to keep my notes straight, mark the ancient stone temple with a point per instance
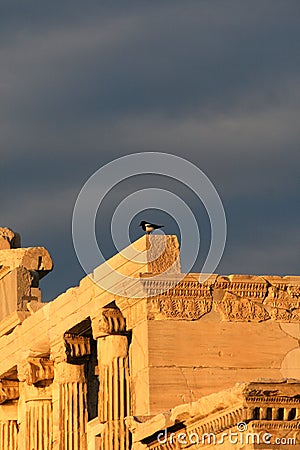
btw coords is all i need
(141, 356)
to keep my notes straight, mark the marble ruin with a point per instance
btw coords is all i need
(187, 364)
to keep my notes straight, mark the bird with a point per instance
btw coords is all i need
(149, 227)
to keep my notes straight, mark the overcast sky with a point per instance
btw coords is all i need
(216, 82)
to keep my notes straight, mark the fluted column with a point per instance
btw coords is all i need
(35, 404)
(70, 393)
(9, 392)
(113, 402)
(8, 435)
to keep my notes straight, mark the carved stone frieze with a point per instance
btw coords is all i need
(284, 303)
(9, 390)
(283, 315)
(237, 297)
(234, 308)
(282, 298)
(294, 290)
(179, 308)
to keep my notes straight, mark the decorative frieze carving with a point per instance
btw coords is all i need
(277, 427)
(282, 315)
(9, 390)
(294, 290)
(179, 308)
(282, 298)
(234, 308)
(237, 298)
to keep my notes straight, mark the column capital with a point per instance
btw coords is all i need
(70, 348)
(9, 390)
(35, 369)
(109, 321)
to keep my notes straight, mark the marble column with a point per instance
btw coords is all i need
(35, 404)
(70, 393)
(9, 393)
(113, 401)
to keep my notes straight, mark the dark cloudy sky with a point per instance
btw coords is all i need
(216, 82)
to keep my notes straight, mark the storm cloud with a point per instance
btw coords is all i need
(214, 82)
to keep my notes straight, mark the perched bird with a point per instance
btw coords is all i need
(149, 227)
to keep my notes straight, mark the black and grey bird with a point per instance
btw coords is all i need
(149, 227)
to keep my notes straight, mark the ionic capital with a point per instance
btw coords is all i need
(76, 347)
(35, 369)
(9, 390)
(70, 348)
(109, 321)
